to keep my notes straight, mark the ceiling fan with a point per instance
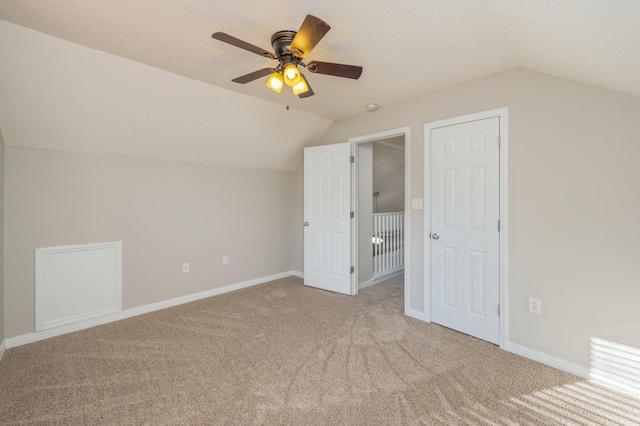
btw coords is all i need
(290, 48)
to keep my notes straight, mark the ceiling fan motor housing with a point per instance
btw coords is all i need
(281, 42)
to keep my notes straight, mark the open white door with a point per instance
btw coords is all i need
(327, 202)
(465, 239)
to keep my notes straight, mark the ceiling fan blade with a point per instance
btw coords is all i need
(253, 75)
(310, 33)
(309, 92)
(339, 70)
(243, 44)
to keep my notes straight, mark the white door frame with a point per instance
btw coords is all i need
(403, 131)
(503, 115)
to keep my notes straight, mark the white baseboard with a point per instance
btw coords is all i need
(374, 281)
(549, 360)
(297, 274)
(415, 314)
(523, 351)
(3, 346)
(127, 313)
(388, 273)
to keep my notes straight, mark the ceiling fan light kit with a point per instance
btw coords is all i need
(290, 48)
(275, 82)
(300, 87)
(291, 75)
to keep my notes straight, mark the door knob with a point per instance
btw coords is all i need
(306, 224)
(435, 236)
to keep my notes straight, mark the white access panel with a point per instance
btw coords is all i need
(327, 207)
(464, 236)
(77, 283)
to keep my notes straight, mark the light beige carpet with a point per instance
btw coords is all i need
(282, 353)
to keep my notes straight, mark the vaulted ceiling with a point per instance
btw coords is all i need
(406, 47)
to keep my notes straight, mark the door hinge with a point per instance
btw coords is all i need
(498, 310)
(352, 215)
(352, 159)
(499, 141)
(353, 269)
(498, 226)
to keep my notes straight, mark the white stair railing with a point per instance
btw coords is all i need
(388, 243)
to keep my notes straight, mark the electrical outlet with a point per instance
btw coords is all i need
(225, 260)
(185, 268)
(535, 306)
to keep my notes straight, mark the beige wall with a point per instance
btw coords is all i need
(164, 212)
(298, 218)
(1, 238)
(365, 212)
(388, 177)
(573, 202)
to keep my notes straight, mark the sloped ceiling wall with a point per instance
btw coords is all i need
(58, 95)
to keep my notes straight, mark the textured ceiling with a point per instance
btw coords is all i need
(407, 47)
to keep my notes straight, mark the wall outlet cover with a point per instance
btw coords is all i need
(535, 306)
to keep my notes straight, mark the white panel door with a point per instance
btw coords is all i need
(327, 207)
(465, 241)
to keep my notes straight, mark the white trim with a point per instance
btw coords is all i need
(297, 274)
(415, 314)
(503, 116)
(389, 145)
(548, 360)
(41, 324)
(378, 280)
(3, 347)
(402, 131)
(389, 273)
(407, 221)
(42, 335)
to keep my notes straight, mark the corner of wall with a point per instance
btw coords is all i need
(2, 346)
(297, 206)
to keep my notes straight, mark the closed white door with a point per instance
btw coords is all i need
(327, 201)
(464, 234)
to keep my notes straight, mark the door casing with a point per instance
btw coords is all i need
(503, 115)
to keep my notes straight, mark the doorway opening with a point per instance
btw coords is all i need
(380, 188)
(381, 214)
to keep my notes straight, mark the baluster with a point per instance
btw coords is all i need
(377, 222)
(386, 247)
(375, 246)
(402, 240)
(393, 240)
(382, 243)
(394, 248)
